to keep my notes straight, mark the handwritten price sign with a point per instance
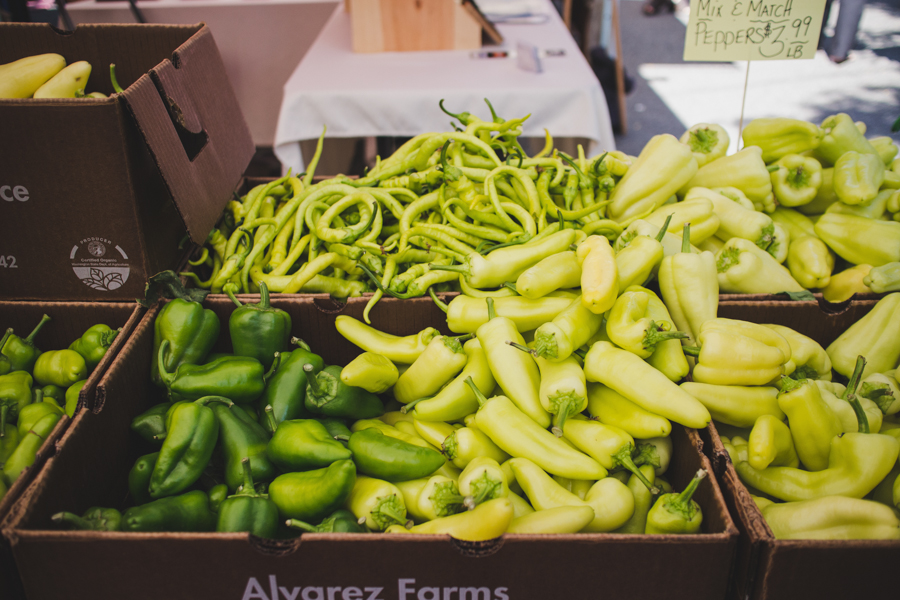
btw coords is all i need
(733, 30)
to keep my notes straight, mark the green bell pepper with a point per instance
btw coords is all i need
(93, 344)
(286, 390)
(327, 395)
(795, 179)
(305, 444)
(34, 412)
(241, 379)
(340, 521)
(139, 478)
(311, 495)
(94, 519)
(780, 136)
(189, 511)
(247, 510)
(151, 424)
(26, 452)
(73, 397)
(22, 352)
(59, 367)
(15, 394)
(240, 437)
(857, 177)
(191, 331)
(677, 513)
(192, 433)
(259, 330)
(391, 459)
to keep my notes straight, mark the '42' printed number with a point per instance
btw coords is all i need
(8, 262)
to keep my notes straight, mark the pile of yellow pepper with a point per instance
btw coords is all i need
(571, 385)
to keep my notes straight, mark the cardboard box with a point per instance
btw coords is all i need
(99, 194)
(69, 322)
(771, 569)
(412, 25)
(401, 567)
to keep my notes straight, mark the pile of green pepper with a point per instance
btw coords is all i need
(37, 388)
(802, 207)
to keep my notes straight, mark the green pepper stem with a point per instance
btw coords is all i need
(664, 228)
(463, 118)
(511, 286)
(686, 239)
(851, 397)
(5, 337)
(270, 417)
(298, 524)
(300, 344)
(623, 458)
(312, 381)
(789, 383)
(263, 295)
(438, 302)
(207, 399)
(562, 415)
(653, 336)
(482, 400)
(456, 268)
(275, 364)
(685, 496)
(493, 112)
(691, 350)
(37, 395)
(229, 290)
(492, 313)
(44, 320)
(248, 489)
(112, 78)
(773, 168)
(519, 346)
(342, 438)
(408, 407)
(72, 520)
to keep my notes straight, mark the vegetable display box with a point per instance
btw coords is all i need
(326, 565)
(68, 321)
(115, 185)
(767, 568)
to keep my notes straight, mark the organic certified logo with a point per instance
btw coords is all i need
(97, 270)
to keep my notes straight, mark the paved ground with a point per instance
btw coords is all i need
(670, 95)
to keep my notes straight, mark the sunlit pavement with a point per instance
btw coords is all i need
(671, 95)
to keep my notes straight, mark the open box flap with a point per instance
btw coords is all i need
(187, 112)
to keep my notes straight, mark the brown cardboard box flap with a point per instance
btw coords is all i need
(191, 121)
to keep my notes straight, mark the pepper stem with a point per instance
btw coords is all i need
(438, 302)
(685, 496)
(879, 393)
(37, 395)
(300, 344)
(519, 346)
(851, 397)
(44, 320)
(248, 488)
(5, 337)
(456, 268)
(72, 520)
(312, 381)
(482, 400)
(686, 239)
(298, 524)
(653, 336)
(623, 458)
(408, 407)
(275, 364)
(664, 228)
(691, 350)
(564, 407)
(230, 289)
(263, 295)
(112, 78)
(270, 417)
(492, 313)
(4, 413)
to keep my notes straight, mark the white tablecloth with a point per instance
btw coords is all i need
(397, 93)
(261, 42)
